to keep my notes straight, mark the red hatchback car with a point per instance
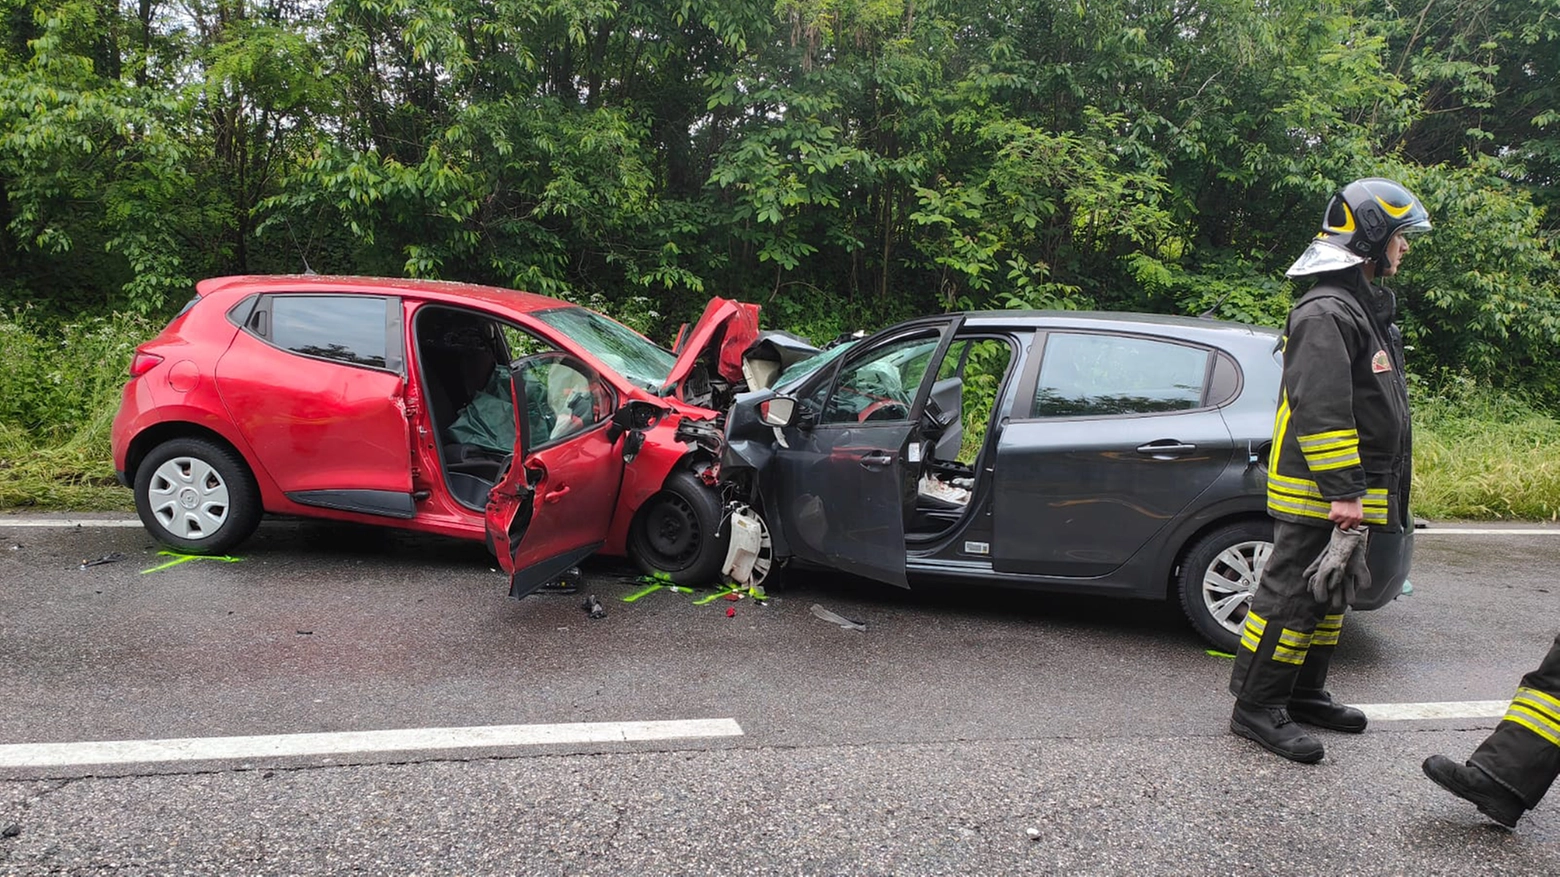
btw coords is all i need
(407, 403)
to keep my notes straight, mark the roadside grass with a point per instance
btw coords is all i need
(1478, 454)
(1484, 455)
(59, 390)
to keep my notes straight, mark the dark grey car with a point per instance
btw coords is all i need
(1113, 454)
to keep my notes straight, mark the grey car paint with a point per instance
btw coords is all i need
(1097, 504)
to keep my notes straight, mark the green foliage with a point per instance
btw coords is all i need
(845, 163)
(57, 402)
(1482, 454)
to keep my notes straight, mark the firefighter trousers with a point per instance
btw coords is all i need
(1288, 640)
(1523, 754)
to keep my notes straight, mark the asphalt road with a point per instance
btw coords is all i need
(962, 732)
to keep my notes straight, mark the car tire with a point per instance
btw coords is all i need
(197, 496)
(680, 531)
(1218, 577)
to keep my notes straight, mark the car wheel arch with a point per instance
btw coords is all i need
(684, 475)
(1212, 545)
(197, 493)
(149, 439)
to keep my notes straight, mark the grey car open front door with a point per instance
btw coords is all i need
(846, 472)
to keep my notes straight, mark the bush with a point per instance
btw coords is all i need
(58, 396)
(1484, 454)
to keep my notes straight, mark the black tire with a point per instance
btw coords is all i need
(197, 496)
(1218, 576)
(681, 532)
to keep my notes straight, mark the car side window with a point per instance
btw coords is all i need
(882, 385)
(1092, 374)
(344, 328)
(564, 397)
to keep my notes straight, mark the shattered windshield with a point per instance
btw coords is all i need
(621, 348)
(796, 371)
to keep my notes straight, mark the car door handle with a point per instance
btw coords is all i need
(555, 495)
(877, 460)
(1167, 448)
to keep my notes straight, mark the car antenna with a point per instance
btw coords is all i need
(302, 256)
(1215, 306)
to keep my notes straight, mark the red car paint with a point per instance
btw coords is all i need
(302, 424)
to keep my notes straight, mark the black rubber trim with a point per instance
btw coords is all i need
(386, 503)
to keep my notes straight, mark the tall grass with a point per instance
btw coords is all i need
(1481, 454)
(59, 389)
(1478, 455)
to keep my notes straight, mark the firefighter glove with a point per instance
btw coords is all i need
(1340, 570)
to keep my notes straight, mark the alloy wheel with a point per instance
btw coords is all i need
(1230, 581)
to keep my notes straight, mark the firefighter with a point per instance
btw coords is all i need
(1340, 458)
(1512, 769)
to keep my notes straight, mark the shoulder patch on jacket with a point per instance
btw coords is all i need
(1380, 363)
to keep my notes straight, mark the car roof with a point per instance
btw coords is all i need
(1202, 329)
(434, 290)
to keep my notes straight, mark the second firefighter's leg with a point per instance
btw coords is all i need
(1523, 753)
(1514, 767)
(1275, 643)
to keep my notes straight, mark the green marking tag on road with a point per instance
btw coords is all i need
(642, 593)
(1218, 654)
(185, 558)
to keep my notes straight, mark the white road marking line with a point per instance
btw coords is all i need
(1475, 531)
(352, 742)
(58, 523)
(1463, 709)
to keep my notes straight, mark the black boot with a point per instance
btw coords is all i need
(1476, 787)
(1318, 708)
(1273, 730)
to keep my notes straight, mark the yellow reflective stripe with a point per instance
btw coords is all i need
(1309, 510)
(1546, 730)
(1329, 462)
(1339, 436)
(1292, 646)
(1316, 444)
(1546, 701)
(1280, 425)
(1375, 517)
(1298, 485)
(1290, 656)
(1327, 631)
(1251, 634)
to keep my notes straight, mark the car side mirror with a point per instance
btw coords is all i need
(778, 411)
(635, 416)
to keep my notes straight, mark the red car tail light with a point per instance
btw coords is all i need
(142, 363)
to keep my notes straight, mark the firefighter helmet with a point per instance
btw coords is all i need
(1359, 221)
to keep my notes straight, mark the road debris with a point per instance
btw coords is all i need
(593, 607)
(113, 557)
(833, 618)
(566, 583)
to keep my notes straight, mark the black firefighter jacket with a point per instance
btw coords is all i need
(1342, 429)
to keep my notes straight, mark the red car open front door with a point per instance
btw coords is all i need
(553, 506)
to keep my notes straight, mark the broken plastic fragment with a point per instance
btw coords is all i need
(593, 607)
(832, 618)
(731, 611)
(107, 558)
